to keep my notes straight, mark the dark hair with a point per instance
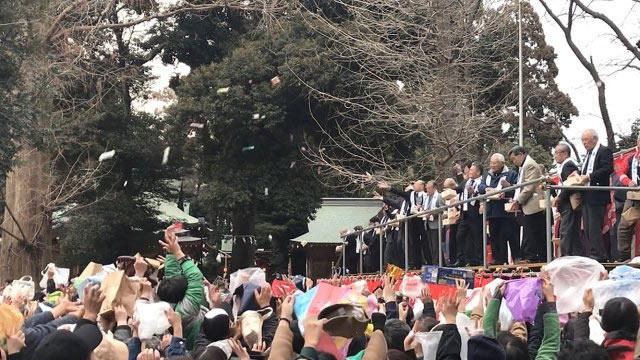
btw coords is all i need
(358, 344)
(395, 354)
(478, 165)
(468, 163)
(325, 356)
(172, 289)
(517, 150)
(395, 330)
(620, 313)
(216, 328)
(582, 350)
(514, 347)
(426, 323)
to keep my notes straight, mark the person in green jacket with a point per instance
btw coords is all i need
(544, 341)
(182, 286)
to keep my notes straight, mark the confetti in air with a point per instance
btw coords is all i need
(165, 155)
(106, 155)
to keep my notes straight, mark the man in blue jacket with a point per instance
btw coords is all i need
(502, 225)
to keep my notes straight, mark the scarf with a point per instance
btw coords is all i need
(474, 183)
(520, 177)
(504, 177)
(560, 167)
(588, 166)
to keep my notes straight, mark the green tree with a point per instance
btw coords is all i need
(628, 141)
(249, 150)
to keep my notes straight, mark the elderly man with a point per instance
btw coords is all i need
(502, 225)
(596, 171)
(414, 198)
(569, 217)
(431, 252)
(629, 177)
(470, 228)
(527, 198)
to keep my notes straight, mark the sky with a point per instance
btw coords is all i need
(593, 37)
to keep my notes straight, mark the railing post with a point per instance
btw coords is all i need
(440, 239)
(549, 221)
(381, 254)
(361, 241)
(344, 260)
(484, 234)
(406, 246)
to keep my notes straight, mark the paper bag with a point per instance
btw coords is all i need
(633, 195)
(11, 320)
(631, 214)
(448, 194)
(118, 289)
(91, 269)
(510, 207)
(572, 180)
(575, 200)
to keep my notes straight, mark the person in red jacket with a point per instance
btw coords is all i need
(628, 176)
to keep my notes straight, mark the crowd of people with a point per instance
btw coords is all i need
(581, 213)
(254, 321)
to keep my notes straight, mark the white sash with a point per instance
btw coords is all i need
(432, 202)
(634, 169)
(474, 183)
(503, 177)
(520, 177)
(588, 167)
(560, 168)
(359, 243)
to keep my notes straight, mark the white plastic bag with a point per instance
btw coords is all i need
(608, 289)
(253, 275)
(152, 318)
(60, 277)
(429, 342)
(23, 287)
(411, 286)
(571, 276)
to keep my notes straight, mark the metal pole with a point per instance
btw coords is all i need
(484, 235)
(520, 87)
(547, 198)
(440, 239)
(344, 260)
(381, 231)
(406, 246)
(360, 239)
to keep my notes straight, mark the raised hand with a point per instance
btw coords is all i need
(93, 298)
(263, 297)
(238, 349)
(15, 343)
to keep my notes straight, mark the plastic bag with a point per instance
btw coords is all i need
(152, 318)
(571, 276)
(624, 272)
(608, 289)
(505, 317)
(60, 277)
(93, 280)
(253, 275)
(429, 342)
(411, 286)
(23, 287)
(522, 296)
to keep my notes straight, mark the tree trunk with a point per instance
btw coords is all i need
(26, 245)
(243, 250)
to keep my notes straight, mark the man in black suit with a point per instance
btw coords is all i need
(470, 227)
(570, 243)
(596, 171)
(414, 201)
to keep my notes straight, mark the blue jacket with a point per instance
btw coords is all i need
(495, 208)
